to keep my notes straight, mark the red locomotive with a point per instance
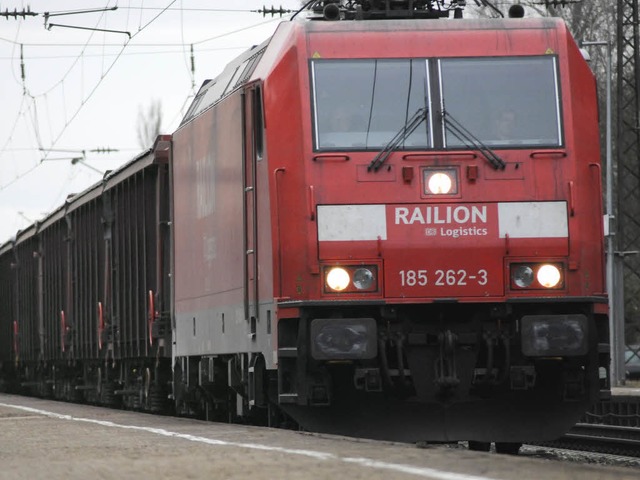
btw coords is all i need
(381, 226)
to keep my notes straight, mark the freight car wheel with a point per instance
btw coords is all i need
(58, 386)
(46, 386)
(98, 381)
(157, 401)
(178, 390)
(146, 387)
(107, 394)
(508, 448)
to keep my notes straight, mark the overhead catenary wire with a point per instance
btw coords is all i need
(74, 115)
(121, 52)
(68, 105)
(191, 70)
(86, 45)
(69, 119)
(33, 109)
(141, 53)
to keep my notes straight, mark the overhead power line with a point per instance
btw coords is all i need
(272, 11)
(47, 15)
(557, 3)
(28, 13)
(15, 14)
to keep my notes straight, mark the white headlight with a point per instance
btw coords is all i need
(338, 279)
(440, 183)
(440, 180)
(548, 276)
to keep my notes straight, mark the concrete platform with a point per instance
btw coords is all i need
(46, 439)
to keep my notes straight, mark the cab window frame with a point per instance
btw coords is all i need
(548, 132)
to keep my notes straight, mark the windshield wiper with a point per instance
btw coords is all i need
(403, 133)
(471, 141)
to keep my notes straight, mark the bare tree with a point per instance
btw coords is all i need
(587, 19)
(149, 123)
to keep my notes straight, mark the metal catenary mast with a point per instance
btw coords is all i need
(628, 162)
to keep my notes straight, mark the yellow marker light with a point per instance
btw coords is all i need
(338, 279)
(549, 276)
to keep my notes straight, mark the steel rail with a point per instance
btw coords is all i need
(600, 438)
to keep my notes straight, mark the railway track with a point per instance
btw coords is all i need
(609, 439)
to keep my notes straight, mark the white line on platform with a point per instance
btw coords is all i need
(365, 462)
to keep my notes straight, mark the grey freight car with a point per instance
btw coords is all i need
(85, 291)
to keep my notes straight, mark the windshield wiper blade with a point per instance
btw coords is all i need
(403, 133)
(471, 141)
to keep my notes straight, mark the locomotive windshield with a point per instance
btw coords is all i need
(502, 102)
(362, 104)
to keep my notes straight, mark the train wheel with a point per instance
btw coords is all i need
(179, 390)
(479, 446)
(146, 388)
(58, 387)
(107, 394)
(508, 448)
(98, 382)
(157, 401)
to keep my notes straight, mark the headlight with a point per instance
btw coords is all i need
(440, 181)
(523, 276)
(351, 279)
(554, 335)
(338, 279)
(548, 276)
(343, 338)
(537, 276)
(363, 278)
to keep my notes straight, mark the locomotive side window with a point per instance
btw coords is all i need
(232, 77)
(362, 104)
(502, 101)
(258, 123)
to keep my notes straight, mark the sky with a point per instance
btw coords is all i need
(76, 93)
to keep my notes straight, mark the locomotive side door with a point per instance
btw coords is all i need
(252, 131)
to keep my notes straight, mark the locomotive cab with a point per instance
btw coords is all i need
(391, 227)
(448, 230)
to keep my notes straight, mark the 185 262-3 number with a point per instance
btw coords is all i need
(442, 278)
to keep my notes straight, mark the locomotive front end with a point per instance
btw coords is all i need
(450, 278)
